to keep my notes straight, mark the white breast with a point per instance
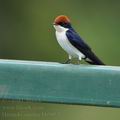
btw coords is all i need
(67, 46)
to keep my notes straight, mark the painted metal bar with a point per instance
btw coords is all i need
(60, 83)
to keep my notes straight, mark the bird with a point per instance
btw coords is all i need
(72, 42)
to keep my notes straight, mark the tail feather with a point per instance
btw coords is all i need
(93, 59)
(94, 63)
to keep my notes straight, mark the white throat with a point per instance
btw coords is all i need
(60, 28)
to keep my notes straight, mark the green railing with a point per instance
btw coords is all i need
(60, 83)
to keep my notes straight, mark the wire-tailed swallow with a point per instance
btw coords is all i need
(72, 43)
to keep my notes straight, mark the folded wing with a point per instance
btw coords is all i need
(77, 42)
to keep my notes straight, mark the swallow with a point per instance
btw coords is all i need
(72, 43)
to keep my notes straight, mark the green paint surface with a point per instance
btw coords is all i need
(60, 83)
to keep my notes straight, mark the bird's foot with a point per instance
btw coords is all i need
(78, 62)
(67, 62)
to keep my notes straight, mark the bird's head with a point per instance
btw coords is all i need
(62, 22)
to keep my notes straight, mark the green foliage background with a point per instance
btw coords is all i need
(11, 110)
(26, 30)
(26, 33)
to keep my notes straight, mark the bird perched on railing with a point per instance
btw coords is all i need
(72, 43)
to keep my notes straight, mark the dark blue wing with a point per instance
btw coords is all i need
(75, 40)
(78, 43)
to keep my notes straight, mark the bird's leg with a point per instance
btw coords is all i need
(78, 62)
(79, 59)
(68, 61)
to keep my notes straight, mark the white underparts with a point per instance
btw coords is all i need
(65, 44)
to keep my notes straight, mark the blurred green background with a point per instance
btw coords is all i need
(26, 30)
(12, 110)
(26, 33)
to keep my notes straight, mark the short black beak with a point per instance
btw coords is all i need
(54, 24)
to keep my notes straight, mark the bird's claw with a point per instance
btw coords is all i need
(67, 62)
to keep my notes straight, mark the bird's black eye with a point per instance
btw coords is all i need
(62, 23)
